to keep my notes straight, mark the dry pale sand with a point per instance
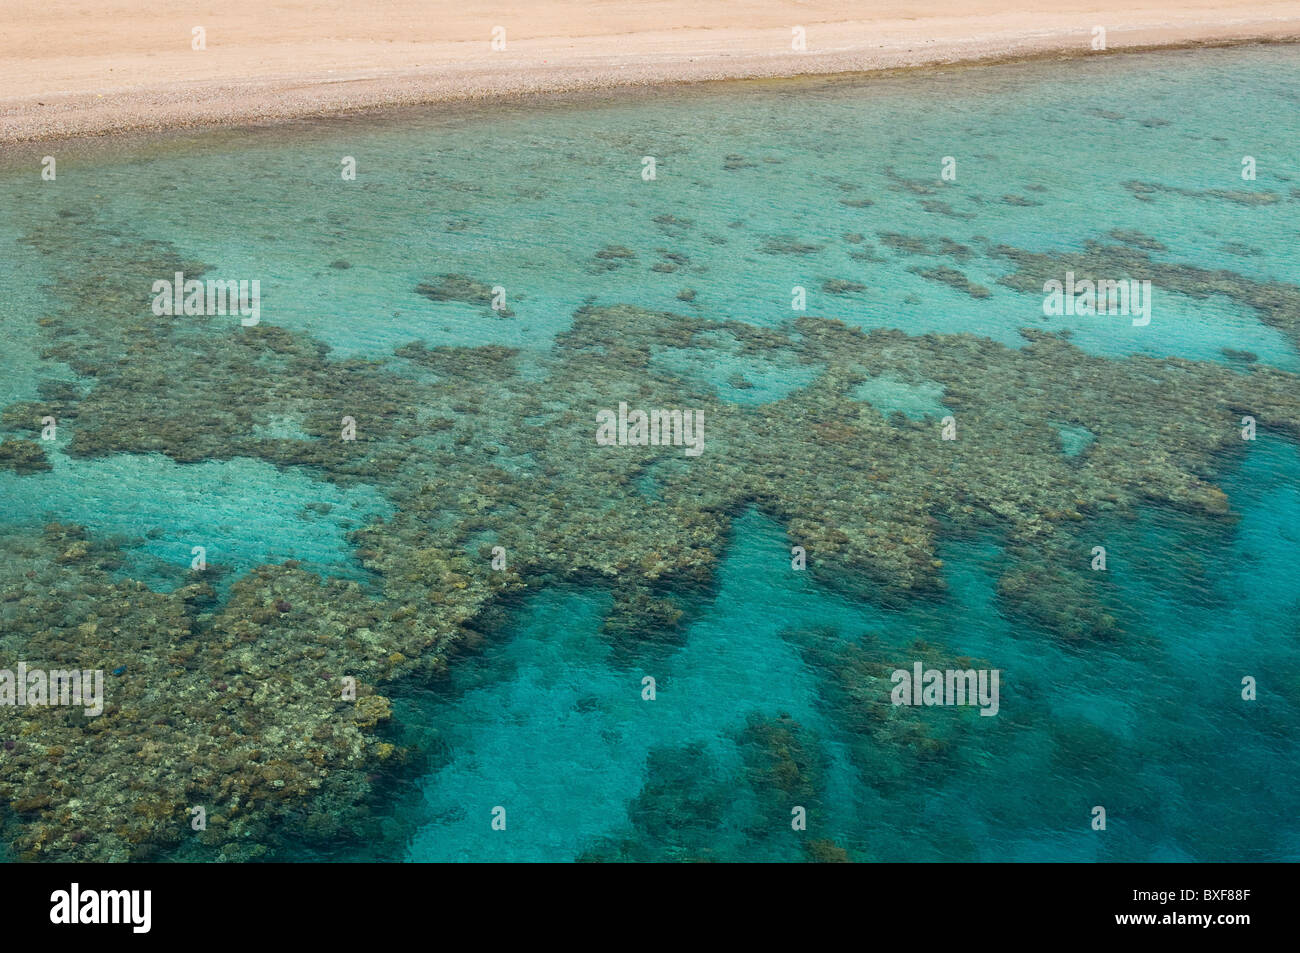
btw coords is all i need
(85, 67)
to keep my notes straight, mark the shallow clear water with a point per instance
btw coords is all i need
(759, 188)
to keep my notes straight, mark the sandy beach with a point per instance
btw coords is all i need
(89, 67)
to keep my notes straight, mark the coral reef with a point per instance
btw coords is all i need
(953, 279)
(677, 814)
(839, 286)
(784, 765)
(462, 288)
(23, 456)
(236, 704)
(235, 712)
(1277, 303)
(894, 746)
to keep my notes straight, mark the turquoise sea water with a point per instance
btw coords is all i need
(546, 721)
(759, 188)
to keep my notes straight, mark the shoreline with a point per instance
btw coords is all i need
(465, 73)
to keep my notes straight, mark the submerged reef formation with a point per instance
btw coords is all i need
(785, 767)
(462, 288)
(498, 483)
(692, 809)
(953, 279)
(238, 712)
(893, 745)
(1277, 303)
(23, 456)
